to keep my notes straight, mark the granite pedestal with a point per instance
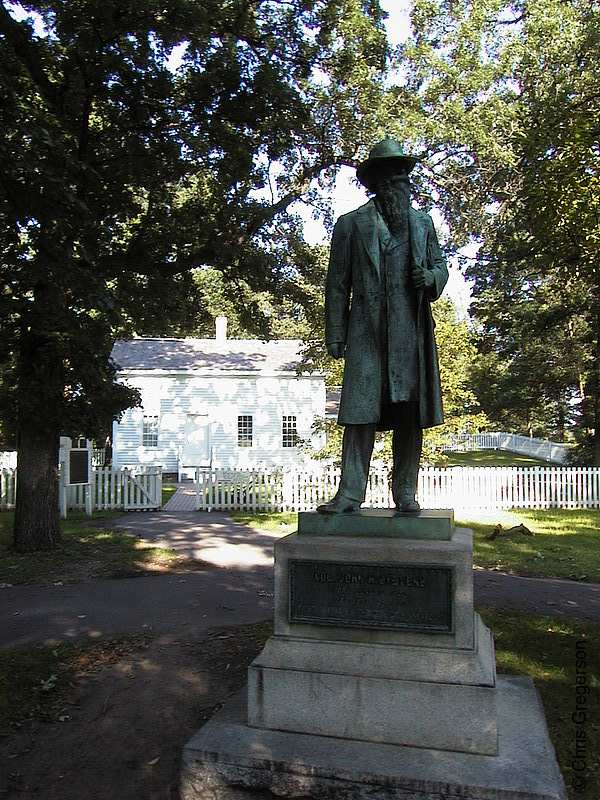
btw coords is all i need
(377, 655)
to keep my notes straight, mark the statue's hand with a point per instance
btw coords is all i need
(336, 349)
(422, 278)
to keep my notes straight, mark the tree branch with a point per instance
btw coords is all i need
(300, 188)
(16, 34)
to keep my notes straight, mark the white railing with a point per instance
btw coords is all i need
(99, 456)
(438, 487)
(135, 489)
(515, 442)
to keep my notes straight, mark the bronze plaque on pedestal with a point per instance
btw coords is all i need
(411, 597)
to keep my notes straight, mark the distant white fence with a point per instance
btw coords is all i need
(509, 487)
(136, 489)
(438, 487)
(516, 443)
(99, 456)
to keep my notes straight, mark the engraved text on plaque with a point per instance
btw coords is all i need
(390, 597)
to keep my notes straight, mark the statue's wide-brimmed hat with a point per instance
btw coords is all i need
(387, 151)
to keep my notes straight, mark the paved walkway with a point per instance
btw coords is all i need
(233, 586)
(184, 498)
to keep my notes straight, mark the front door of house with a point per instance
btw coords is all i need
(196, 447)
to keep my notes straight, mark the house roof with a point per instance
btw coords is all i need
(229, 355)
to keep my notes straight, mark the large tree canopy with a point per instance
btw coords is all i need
(509, 94)
(119, 176)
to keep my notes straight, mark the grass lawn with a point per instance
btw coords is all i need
(87, 551)
(557, 654)
(492, 458)
(168, 490)
(565, 543)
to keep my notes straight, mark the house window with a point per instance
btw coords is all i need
(150, 432)
(245, 430)
(290, 433)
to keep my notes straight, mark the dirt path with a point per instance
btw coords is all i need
(118, 733)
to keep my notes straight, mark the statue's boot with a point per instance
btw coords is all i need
(408, 506)
(339, 505)
(357, 446)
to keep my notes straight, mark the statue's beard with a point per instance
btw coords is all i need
(394, 202)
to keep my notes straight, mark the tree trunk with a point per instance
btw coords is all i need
(596, 385)
(40, 379)
(561, 418)
(37, 520)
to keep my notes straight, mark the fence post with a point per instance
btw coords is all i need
(88, 499)
(197, 486)
(62, 492)
(8, 487)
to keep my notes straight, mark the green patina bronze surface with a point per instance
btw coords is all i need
(386, 267)
(429, 524)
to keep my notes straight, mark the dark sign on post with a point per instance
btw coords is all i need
(79, 466)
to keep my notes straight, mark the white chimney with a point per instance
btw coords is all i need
(221, 329)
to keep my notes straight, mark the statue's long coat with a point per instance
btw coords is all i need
(352, 314)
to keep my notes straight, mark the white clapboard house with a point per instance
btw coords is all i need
(225, 403)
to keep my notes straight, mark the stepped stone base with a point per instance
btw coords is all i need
(419, 696)
(379, 682)
(410, 685)
(227, 760)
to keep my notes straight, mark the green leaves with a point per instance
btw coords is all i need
(120, 179)
(509, 96)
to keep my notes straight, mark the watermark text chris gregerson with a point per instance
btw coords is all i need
(579, 718)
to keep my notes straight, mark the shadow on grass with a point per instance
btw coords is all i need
(550, 651)
(87, 550)
(119, 715)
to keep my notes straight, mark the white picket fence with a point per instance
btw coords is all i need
(509, 487)
(247, 490)
(256, 490)
(461, 488)
(515, 442)
(7, 487)
(135, 489)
